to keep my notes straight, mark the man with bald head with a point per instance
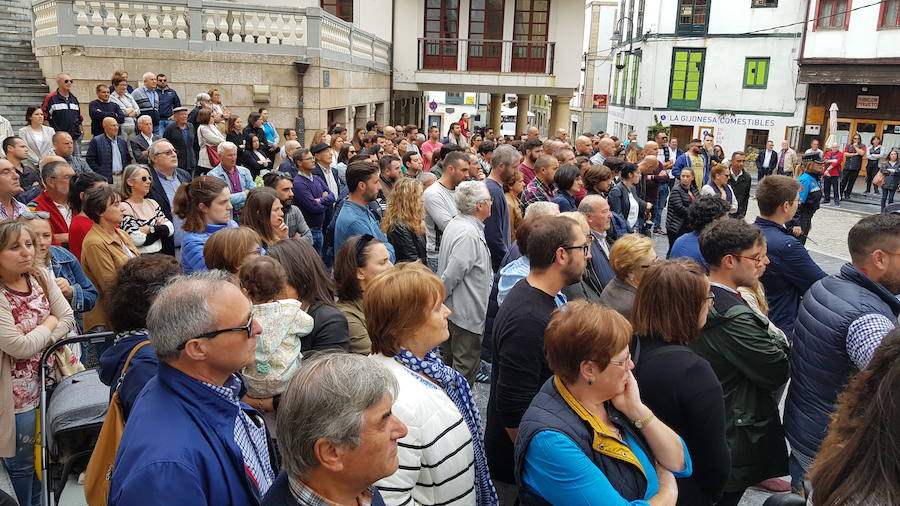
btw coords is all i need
(62, 111)
(599, 217)
(654, 177)
(584, 146)
(605, 149)
(287, 164)
(64, 146)
(562, 135)
(107, 154)
(533, 132)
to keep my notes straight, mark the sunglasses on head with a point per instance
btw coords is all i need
(30, 215)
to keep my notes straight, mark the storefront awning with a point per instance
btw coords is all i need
(842, 73)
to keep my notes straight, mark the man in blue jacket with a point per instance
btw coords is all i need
(693, 159)
(189, 438)
(355, 217)
(791, 271)
(843, 319)
(107, 154)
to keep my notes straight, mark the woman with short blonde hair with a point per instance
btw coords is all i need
(630, 257)
(443, 460)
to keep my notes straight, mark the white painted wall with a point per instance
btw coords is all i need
(374, 16)
(862, 39)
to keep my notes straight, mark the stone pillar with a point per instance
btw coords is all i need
(521, 115)
(496, 106)
(560, 115)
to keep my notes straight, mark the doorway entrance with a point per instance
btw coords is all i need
(889, 131)
(683, 133)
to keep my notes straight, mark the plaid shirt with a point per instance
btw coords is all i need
(536, 191)
(303, 495)
(864, 335)
(249, 438)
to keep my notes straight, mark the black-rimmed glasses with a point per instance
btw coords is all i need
(209, 335)
(585, 248)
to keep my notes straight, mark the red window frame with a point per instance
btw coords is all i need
(820, 3)
(340, 8)
(441, 55)
(485, 23)
(883, 15)
(530, 57)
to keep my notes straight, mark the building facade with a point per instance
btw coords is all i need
(851, 57)
(724, 67)
(307, 66)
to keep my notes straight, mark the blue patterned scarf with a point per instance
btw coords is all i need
(457, 388)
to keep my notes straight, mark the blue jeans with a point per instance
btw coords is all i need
(318, 240)
(660, 204)
(799, 482)
(432, 264)
(887, 196)
(161, 128)
(21, 467)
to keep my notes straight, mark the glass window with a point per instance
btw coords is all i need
(692, 17)
(340, 8)
(764, 3)
(686, 84)
(833, 14)
(890, 14)
(756, 73)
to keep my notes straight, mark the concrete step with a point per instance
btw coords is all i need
(12, 87)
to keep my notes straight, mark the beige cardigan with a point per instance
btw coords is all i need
(15, 346)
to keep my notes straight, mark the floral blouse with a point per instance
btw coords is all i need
(29, 309)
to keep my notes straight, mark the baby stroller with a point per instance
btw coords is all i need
(72, 412)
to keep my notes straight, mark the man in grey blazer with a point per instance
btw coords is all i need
(139, 143)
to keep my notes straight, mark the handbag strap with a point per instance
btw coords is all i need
(128, 361)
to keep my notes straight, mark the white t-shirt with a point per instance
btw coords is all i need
(632, 210)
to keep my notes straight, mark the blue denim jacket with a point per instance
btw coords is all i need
(84, 296)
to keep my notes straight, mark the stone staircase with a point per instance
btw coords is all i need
(22, 83)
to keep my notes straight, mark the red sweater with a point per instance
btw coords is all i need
(77, 230)
(58, 224)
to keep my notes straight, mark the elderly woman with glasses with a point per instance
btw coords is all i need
(630, 257)
(143, 218)
(359, 260)
(442, 459)
(587, 438)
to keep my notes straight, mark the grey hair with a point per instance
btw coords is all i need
(226, 146)
(542, 209)
(144, 117)
(49, 169)
(147, 75)
(202, 97)
(420, 137)
(468, 194)
(154, 148)
(586, 206)
(181, 311)
(128, 173)
(425, 177)
(506, 155)
(327, 399)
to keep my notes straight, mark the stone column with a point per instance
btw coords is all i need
(496, 106)
(560, 116)
(521, 115)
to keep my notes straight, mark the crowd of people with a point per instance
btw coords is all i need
(306, 324)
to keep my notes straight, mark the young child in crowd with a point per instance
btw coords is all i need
(283, 323)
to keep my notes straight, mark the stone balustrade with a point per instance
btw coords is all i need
(200, 25)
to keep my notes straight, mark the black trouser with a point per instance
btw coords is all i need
(763, 172)
(871, 170)
(805, 212)
(847, 182)
(672, 235)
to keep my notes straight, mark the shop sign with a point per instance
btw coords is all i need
(867, 102)
(600, 102)
(432, 105)
(470, 99)
(683, 118)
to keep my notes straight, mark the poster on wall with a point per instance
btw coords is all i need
(707, 130)
(600, 102)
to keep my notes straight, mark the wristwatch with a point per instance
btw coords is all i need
(643, 422)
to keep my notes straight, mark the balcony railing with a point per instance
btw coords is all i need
(481, 55)
(206, 25)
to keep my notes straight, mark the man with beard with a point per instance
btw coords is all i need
(532, 149)
(283, 185)
(558, 251)
(842, 320)
(496, 226)
(355, 217)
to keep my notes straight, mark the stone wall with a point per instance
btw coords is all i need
(234, 74)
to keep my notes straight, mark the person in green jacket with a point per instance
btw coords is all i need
(750, 361)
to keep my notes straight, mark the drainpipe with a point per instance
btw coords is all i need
(300, 125)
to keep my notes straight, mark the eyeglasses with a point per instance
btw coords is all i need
(758, 260)
(361, 244)
(30, 215)
(621, 363)
(209, 335)
(585, 248)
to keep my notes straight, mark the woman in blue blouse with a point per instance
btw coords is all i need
(587, 438)
(568, 184)
(205, 206)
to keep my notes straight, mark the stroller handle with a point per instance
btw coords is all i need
(99, 337)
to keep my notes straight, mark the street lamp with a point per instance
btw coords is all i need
(617, 36)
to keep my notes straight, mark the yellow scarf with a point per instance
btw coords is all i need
(605, 441)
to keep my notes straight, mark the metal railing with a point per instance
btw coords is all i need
(486, 55)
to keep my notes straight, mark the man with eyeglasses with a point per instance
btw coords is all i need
(167, 177)
(189, 438)
(182, 137)
(57, 176)
(749, 358)
(62, 111)
(842, 321)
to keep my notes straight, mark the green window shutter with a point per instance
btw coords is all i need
(687, 78)
(756, 73)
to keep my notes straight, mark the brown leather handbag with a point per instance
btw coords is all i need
(99, 471)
